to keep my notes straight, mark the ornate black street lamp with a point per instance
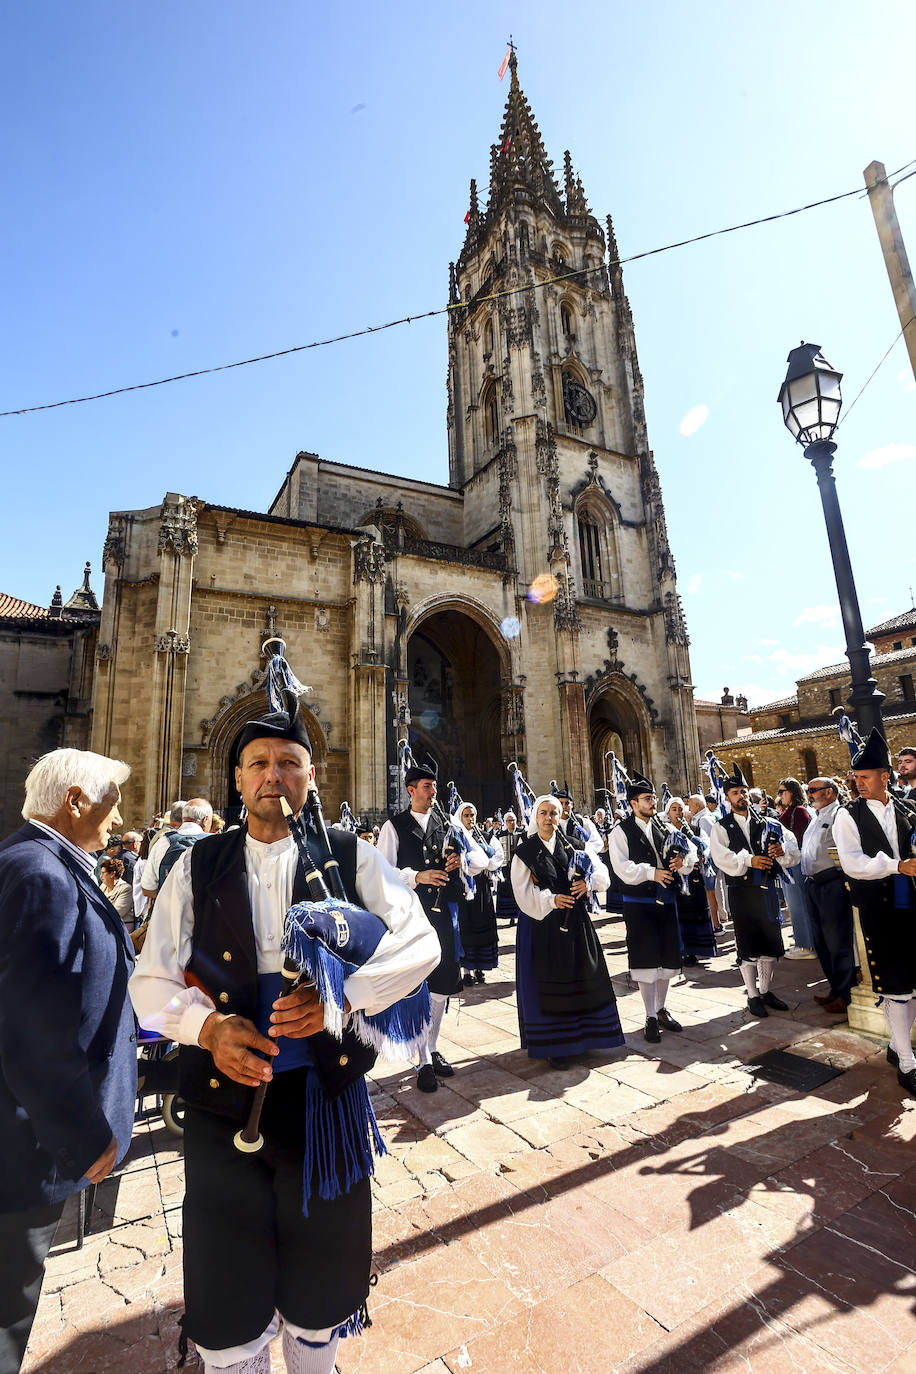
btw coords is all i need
(811, 400)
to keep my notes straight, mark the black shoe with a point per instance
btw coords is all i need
(651, 1032)
(478, 976)
(757, 1007)
(557, 1062)
(667, 1021)
(775, 1002)
(468, 980)
(427, 1081)
(893, 1058)
(441, 1067)
(907, 1080)
(690, 960)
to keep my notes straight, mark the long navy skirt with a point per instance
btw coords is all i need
(550, 1037)
(697, 935)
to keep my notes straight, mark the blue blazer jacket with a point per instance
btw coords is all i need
(68, 1052)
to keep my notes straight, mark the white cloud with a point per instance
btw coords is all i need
(735, 574)
(825, 616)
(753, 658)
(797, 664)
(906, 379)
(771, 643)
(695, 583)
(890, 453)
(694, 419)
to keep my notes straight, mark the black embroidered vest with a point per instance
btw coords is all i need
(641, 852)
(224, 963)
(420, 851)
(738, 843)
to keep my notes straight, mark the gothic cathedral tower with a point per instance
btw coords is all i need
(548, 444)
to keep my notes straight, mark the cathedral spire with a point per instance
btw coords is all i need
(521, 165)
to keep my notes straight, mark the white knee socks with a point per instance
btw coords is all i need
(254, 1364)
(900, 1015)
(766, 967)
(648, 997)
(661, 991)
(748, 970)
(308, 1359)
(436, 1012)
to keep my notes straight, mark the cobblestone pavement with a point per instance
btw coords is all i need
(654, 1209)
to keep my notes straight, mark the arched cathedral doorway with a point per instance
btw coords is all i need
(615, 725)
(455, 675)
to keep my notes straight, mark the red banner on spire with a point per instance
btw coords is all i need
(504, 65)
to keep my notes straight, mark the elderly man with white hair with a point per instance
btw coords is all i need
(68, 1055)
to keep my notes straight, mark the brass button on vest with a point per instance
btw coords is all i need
(344, 1060)
(227, 956)
(214, 1082)
(224, 997)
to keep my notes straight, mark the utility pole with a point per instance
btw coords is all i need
(892, 246)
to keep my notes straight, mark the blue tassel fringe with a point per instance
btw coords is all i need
(342, 1139)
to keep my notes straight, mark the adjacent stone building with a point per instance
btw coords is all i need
(797, 736)
(721, 719)
(528, 610)
(46, 669)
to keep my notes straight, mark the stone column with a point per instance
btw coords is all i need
(171, 646)
(368, 755)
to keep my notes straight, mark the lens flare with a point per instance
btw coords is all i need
(544, 588)
(511, 627)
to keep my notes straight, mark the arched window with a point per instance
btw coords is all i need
(599, 563)
(566, 320)
(590, 555)
(523, 236)
(488, 338)
(560, 256)
(489, 405)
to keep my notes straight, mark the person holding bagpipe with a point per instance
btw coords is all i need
(566, 1004)
(745, 847)
(476, 906)
(510, 837)
(875, 837)
(277, 1219)
(698, 937)
(649, 858)
(419, 844)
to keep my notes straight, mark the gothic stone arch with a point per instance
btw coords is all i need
(617, 712)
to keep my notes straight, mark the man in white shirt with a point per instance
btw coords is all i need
(416, 843)
(875, 842)
(636, 853)
(828, 898)
(743, 850)
(285, 1233)
(158, 848)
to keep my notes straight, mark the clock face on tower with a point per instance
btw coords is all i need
(579, 404)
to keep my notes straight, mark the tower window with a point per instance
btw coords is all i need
(907, 690)
(590, 556)
(566, 320)
(490, 406)
(488, 337)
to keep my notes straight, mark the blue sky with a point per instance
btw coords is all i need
(192, 183)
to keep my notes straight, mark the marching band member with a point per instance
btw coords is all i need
(637, 850)
(744, 847)
(874, 840)
(477, 912)
(510, 837)
(415, 842)
(566, 1004)
(698, 939)
(264, 1240)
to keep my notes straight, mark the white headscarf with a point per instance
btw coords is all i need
(545, 797)
(457, 814)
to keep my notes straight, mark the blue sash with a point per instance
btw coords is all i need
(293, 1052)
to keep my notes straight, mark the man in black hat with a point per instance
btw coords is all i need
(744, 850)
(874, 840)
(272, 1236)
(581, 827)
(636, 850)
(416, 843)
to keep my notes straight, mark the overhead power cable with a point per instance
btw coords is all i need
(445, 309)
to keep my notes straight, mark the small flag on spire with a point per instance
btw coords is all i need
(467, 217)
(504, 65)
(507, 142)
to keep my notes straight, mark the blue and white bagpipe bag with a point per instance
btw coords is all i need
(462, 840)
(582, 865)
(523, 795)
(332, 939)
(715, 771)
(619, 781)
(676, 846)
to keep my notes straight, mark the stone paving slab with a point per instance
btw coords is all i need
(646, 1210)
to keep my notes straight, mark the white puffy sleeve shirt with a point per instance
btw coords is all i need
(854, 862)
(538, 902)
(406, 953)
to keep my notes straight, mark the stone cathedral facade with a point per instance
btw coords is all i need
(526, 611)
